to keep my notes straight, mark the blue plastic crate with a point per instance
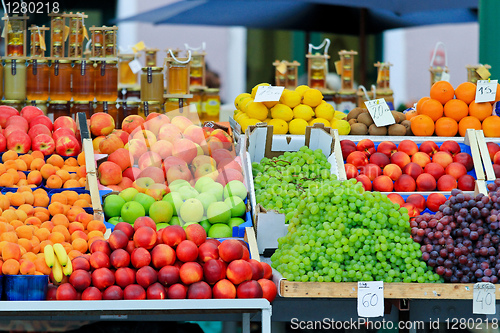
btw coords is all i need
(26, 287)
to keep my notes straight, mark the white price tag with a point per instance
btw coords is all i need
(445, 76)
(483, 301)
(135, 66)
(486, 90)
(268, 94)
(371, 299)
(380, 112)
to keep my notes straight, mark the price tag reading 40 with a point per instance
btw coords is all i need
(380, 112)
(486, 90)
(483, 298)
(371, 299)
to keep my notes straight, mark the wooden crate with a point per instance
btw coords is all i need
(485, 155)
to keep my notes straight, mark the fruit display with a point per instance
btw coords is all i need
(448, 112)
(362, 123)
(215, 207)
(408, 166)
(295, 110)
(461, 241)
(141, 262)
(32, 130)
(34, 170)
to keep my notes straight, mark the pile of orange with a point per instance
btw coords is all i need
(450, 111)
(57, 172)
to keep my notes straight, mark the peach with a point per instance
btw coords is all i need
(429, 147)
(347, 149)
(173, 235)
(134, 291)
(456, 170)
(156, 291)
(145, 237)
(199, 290)
(379, 159)
(396, 198)
(224, 289)
(112, 293)
(146, 276)
(103, 278)
(269, 290)
(408, 146)
(207, 251)
(426, 182)
(140, 256)
(383, 184)
(435, 200)
(443, 158)
(365, 181)
(493, 148)
(387, 148)
(119, 258)
(124, 276)
(230, 250)
(190, 272)
(66, 292)
(400, 158)
(393, 171)
(421, 159)
(405, 183)
(177, 291)
(371, 170)
(187, 251)
(80, 279)
(196, 233)
(162, 255)
(465, 159)
(91, 294)
(358, 159)
(446, 183)
(367, 146)
(451, 147)
(413, 169)
(168, 275)
(239, 271)
(434, 169)
(466, 183)
(101, 124)
(351, 171)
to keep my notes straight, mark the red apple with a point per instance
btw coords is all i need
(184, 149)
(178, 172)
(43, 143)
(38, 129)
(42, 120)
(131, 173)
(170, 133)
(30, 112)
(17, 121)
(67, 122)
(110, 144)
(67, 146)
(5, 113)
(163, 148)
(109, 173)
(101, 124)
(19, 142)
(131, 122)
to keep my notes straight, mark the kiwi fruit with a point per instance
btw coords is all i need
(397, 130)
(354, 113)
(352, 121)
(374, 130)
(358, 129)
(365, 118)
(407, 125)
(398, 116)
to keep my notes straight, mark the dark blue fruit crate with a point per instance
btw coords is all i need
(26, 287)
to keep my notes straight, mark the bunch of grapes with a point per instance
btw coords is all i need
(461, 241)
(337, 231)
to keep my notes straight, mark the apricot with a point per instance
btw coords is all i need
(48, 170)
(37, 164)
(54, 181)
(10, 267)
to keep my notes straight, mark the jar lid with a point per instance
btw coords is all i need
(82, 102)
(132, 103)
(62, 61)
(154, 69)
(151, 102)
(14, 60)
(108, 61)
(58, 102)
(83, 60)
(12, 101)
(212, 90)
(127, 56)
(40, 101)
(39, 61)
(101, 102)
(172, 100)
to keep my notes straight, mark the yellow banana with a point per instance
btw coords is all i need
(48, 251)
(57, 271)
(68, 269)
(61, 254)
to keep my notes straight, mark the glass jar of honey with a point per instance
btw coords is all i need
(1, 81)
(152, 84)
(106, 81)
(57, 109)
(210, 105)
(16, 104)
(148, 107)
(15, 38)
(41, 104)
(83, 80)
(178, 75)
(197, 70)
(60, 80)
(130, 108)
(109, 108)
(195, 103)
(38, 80)
(82, 106)
(15, 79)
(171, 104)
(126, 77)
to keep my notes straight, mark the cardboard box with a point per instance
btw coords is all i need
(260, 142)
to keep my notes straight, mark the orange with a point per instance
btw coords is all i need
(56, 160)
(468, 122)
(54, 181)
(466, 92)
(432, 108)
(422, 125)
(480, 110)
(37, 154)
(497, 96)
(11, 251)
(420, 102)
(410, 114)
(442, 91)
(59, 197)
(9, 155)
(491, 126)
(81, 159)
(10, 267)
(456, 109)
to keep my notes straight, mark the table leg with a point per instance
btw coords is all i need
(266, 320)
(246, 323)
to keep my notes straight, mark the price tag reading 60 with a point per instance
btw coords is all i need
(371, 299)
(380, 112)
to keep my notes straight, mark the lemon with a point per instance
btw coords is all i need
(290, 98)
(248, 122)
(239, 98)
(312, 97)
(342, 126)
(245, 103)
(270, 104)
(325, 111)
(340, 115)
(279, 126)
(257, 110)
(297, 126)
(303, 111)
(267, 120)
(241, 117)
(238, 115)
(319, 120)
(254, 89)
(302, 89)
(281, 111)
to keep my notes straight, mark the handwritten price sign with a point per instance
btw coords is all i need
(380, 112)
(268, 94)
(486, 90)
(371, 299)
(483, 298)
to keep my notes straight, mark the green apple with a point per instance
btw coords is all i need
(202, 181)
(191, 210)
(175, 221)
(145, 200)
(235, 222)
(214, 188)
(177, 184)
(113, 205)
(187, 192)
(161, 225)
(236, 205)
(235, 188)
(206, 225)
(218, 212)
(206, 199)
(128, 194)
(161, 211)
(114, 220)
(220, 230)
(175, 200)
(131, 211)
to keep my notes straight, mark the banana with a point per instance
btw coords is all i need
(57, 271)
(48, 251)
(61, 254)
(68, 269)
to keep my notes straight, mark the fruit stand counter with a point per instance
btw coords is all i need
(141, 310)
